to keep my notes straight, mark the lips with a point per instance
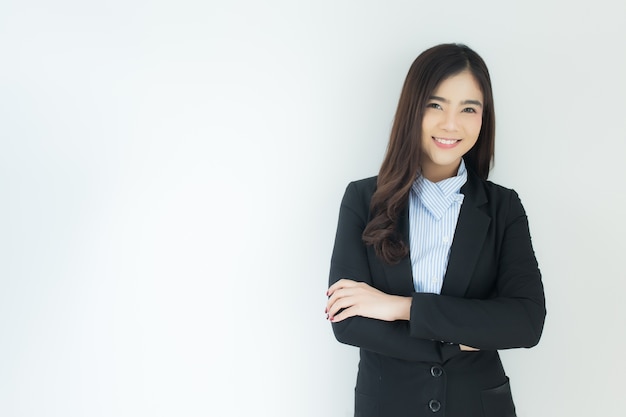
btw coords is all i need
(446, 141)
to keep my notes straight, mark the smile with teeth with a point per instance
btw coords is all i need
(446, 141)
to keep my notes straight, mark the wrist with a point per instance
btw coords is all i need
(403, 308)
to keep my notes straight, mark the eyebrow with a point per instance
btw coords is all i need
(474, 102)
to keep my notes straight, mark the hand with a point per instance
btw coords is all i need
(468, 348)
(359, 299)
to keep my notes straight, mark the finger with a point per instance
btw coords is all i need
(343, 300)
(342, 303)
(346, 283)
(339, 294)
(342, 283)
(346, 313)
(468, 348)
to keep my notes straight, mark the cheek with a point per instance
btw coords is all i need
(426, 122)
(429, 125)
(476, 125)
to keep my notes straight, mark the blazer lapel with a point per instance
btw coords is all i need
(400, 275)
(469, 236)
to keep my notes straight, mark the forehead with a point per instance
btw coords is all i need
(461, 86)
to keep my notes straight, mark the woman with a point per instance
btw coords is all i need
(433, 269)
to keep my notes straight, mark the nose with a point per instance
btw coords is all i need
(449, 121)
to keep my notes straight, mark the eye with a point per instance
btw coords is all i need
(433, 106)
(469, 110)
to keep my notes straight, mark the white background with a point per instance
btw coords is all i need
(170, 178)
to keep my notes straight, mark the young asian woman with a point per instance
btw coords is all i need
(433, 269)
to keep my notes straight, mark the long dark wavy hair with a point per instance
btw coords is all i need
(401, 163)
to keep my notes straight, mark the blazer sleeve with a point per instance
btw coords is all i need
(513, 317)
(350, 260)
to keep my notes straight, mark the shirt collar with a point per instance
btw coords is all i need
(438, 197)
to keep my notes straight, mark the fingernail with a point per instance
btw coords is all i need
(326, 316)
(326, 310)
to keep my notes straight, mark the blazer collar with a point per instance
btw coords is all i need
(469, 236)
(470, 233)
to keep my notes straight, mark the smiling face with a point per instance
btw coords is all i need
(451, 125)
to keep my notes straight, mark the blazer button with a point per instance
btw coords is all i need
(436, 371)
(434, 405)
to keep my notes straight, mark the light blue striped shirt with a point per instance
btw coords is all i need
(433, 213)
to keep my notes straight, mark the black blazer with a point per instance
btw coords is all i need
(492, 298)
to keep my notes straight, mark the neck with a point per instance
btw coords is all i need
(438, 173)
